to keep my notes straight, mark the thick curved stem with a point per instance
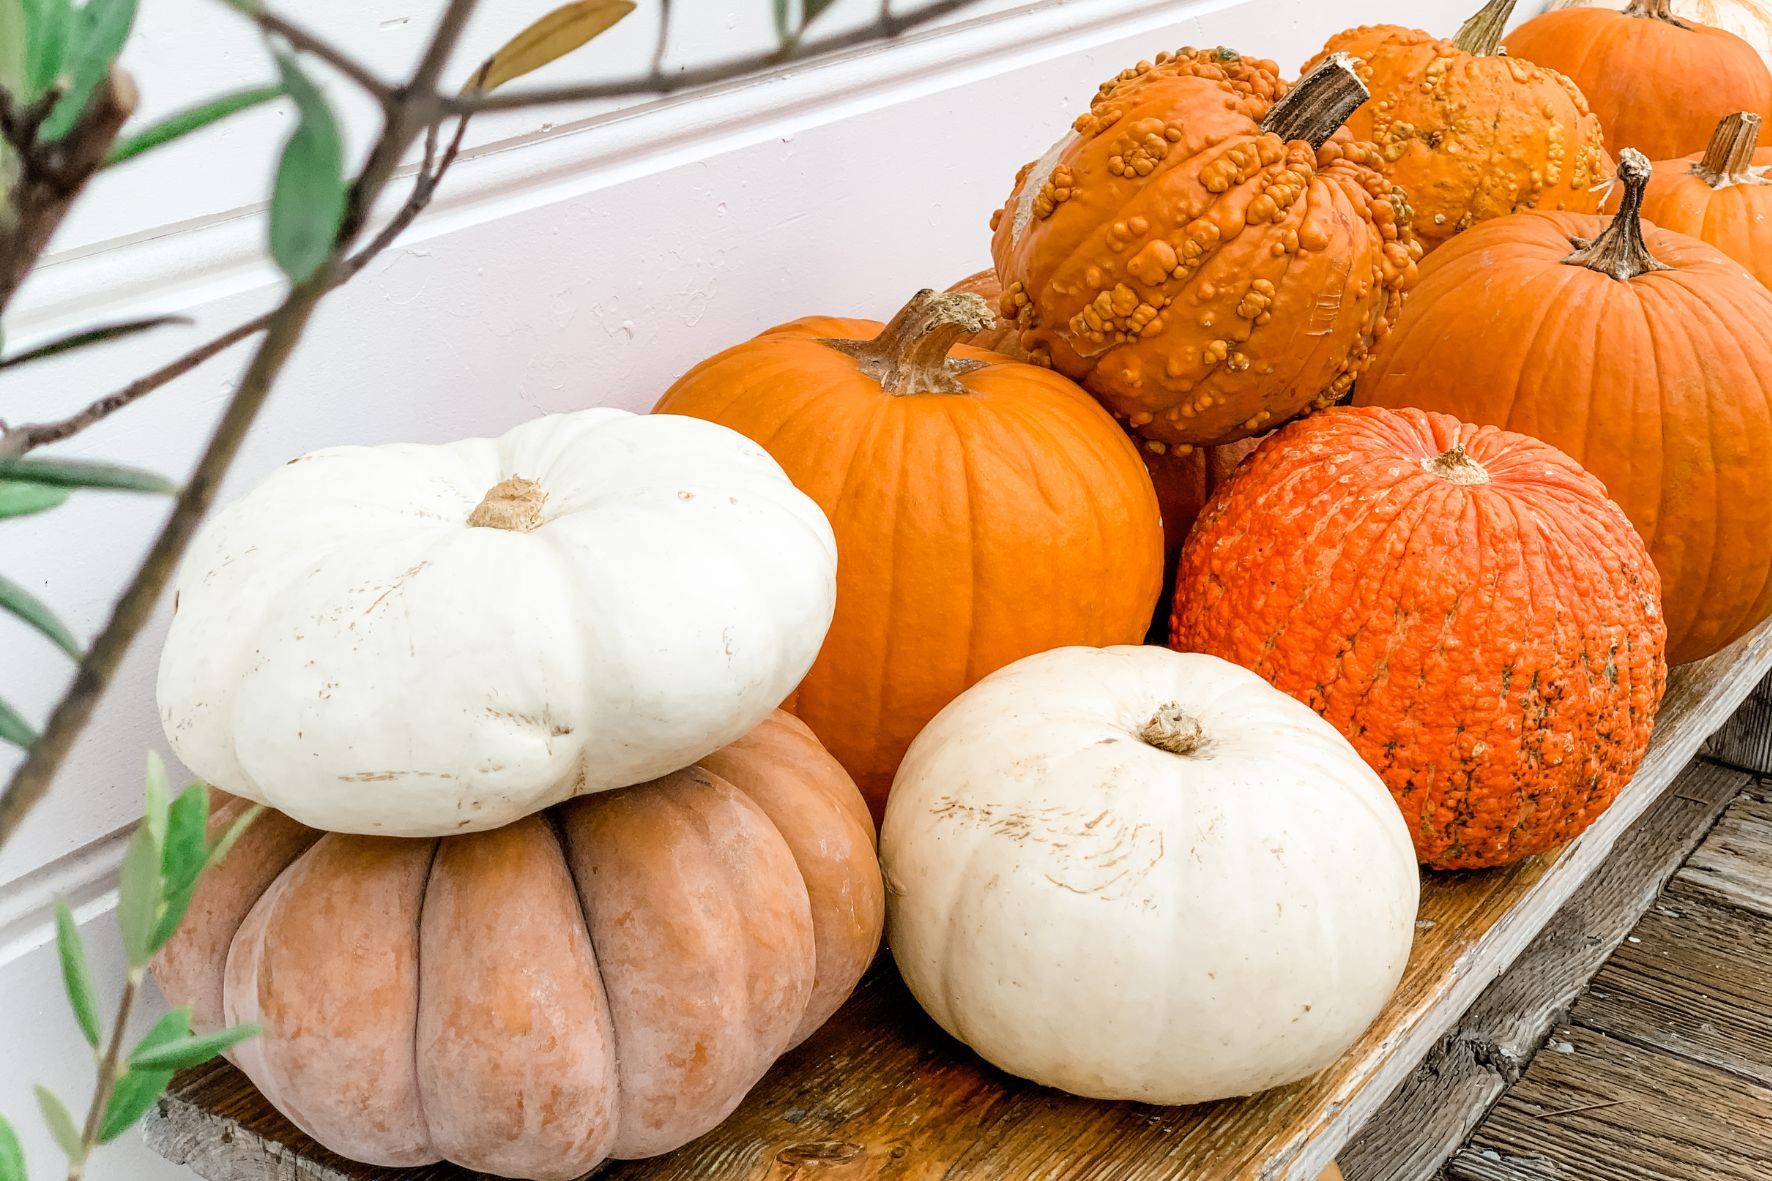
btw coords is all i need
(910, 354)
(1620, 251)
(1318, 103)
(1661, 10)
(1729, 160)
(1481, 34)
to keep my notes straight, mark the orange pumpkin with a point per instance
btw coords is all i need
(1463, 603)
(984, 510)
(1208, 257)
(1722, 195)
(1644, 354)
(606, 979)
(1470, 133)
(1658, 83)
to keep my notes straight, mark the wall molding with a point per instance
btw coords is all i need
(85, 878)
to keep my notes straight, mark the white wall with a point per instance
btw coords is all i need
(578, 258)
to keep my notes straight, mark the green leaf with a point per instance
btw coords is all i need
(76, 977)
(61, 1124)
(86, 336)
(13, 35)
(19, 499)
(136, 1091)
(99, 31)
(14, 728)
(548, 39)
(810, 10)
(241, 823)
(182, 859)
(783, 32)
(12, 1153)
(18, 601)
(191, 1051)
(185, 122)
(49, 24)
(308, 200)
(138, 897)
(80, 473)
(157, 797)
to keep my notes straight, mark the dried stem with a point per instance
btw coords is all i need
(1318, 103)
(1481, 34)
(910, 353)
(1620, 251)
(1729, 160)
(1661, 10)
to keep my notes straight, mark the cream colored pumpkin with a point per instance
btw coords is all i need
(425, 640)
(1751, 20)
(1139, 874)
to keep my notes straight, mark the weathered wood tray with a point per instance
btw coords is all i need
(880, 1092)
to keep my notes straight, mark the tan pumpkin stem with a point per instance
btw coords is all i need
(910, 355)
(1729, 160)
(513, 504)
(1620, 251)
(1481, 34)
(1318, 103)
(1173, 729)
(1456, 467)
(1661, 10)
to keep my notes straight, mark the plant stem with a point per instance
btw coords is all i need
(1481, 34)
(1661, 10)
(1620, 251)
(1318, 103)
(1729, 160)
(301, 39)
(108, 1074)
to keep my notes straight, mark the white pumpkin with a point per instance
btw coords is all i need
(422, 640)
(1751, 20)
(1133, 873)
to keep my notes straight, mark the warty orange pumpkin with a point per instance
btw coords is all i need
(604, 979)
(1658, 82)
(984, 510)
(1722, 195)
(1645, 355)
(1463, 603)
(1205, 250)
(1468, 132)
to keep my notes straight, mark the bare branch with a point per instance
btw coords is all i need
(886, 25)
(309, 43)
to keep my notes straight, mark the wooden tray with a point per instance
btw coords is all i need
(880, 1092)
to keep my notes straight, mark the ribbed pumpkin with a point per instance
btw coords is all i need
(1657, 82)
(1751, 20)
(1721, 195)
(605, 979)
(1645, 355)
(1208, 257)
(1470, 133)
(1463, 603)
(984, 510)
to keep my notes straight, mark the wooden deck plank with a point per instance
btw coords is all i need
(1746, 740)
(880, 1092)
(1649, 1116)
(1430, 1115)
(1734, 867)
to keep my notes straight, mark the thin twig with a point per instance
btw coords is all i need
(108, 1073)
(309, 43)
(886, 26)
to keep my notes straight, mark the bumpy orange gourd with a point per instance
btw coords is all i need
(984, 510)
(606, 979)
(1658, 83)
(1470, 133)
(1209, 259)
(1722, 195)
(1463, 603)
(1644, 354)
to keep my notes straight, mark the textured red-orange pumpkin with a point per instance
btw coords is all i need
(1465, 604)
(984, 510)
(605, 979)
(1210, 260)
(1470, 133)
(1658, 83)
(1650, 364)
(1722, 195)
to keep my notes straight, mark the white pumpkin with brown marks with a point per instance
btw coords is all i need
(1132, 873)
(424, 640)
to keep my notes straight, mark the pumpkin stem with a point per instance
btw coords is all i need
(910, 355)
(1729, 160)
(1456, 467)
(513, 504)
(1173, 729)
(1661, 10)
(1620, 251)
(1481, 34)
(1318, 103)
